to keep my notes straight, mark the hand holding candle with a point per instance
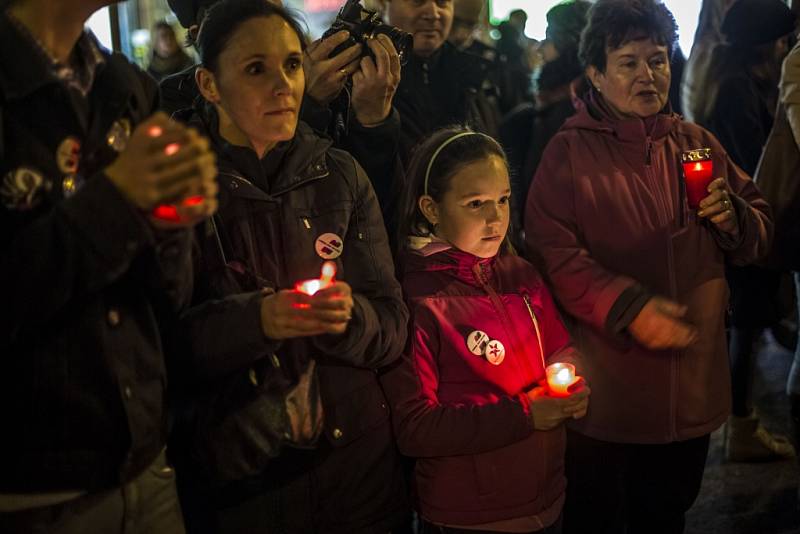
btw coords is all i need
(148, 177)
(310, 287)
(560, 376)
(718, 208)
(549, 411)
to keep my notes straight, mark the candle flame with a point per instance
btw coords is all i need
(564, 376)
(328, 271)
(309, 287)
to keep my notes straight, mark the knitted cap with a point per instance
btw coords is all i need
(757, 22)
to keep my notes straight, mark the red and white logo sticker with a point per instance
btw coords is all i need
(329, 246)
(477, 341)
(495, 352)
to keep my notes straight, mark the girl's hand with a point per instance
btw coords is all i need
(718, 208)
(549, 412)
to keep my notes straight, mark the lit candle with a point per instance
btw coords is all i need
(309, 287)
(169, 212)
(560, 376)
(698, 171)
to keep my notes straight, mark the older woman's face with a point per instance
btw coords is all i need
(259, 84)
(636, 80)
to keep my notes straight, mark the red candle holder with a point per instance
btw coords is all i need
(310, 287)
(698, 171)
(171, 212)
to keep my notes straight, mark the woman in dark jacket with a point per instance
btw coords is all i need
(296, 438)
(642, 274)
(738, 106)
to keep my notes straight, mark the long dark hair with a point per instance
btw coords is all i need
(223, 19)
(455, 156)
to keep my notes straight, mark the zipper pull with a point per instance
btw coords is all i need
(648, 161)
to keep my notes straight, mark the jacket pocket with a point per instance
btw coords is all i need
(353, 415)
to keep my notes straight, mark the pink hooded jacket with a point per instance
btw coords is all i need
(465, 419)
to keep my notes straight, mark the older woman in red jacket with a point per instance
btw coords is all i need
(642, 273)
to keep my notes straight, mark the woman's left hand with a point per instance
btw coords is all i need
(718, 208)
(333, 307)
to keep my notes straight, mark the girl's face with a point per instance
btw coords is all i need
(474, 213)
(259, 84)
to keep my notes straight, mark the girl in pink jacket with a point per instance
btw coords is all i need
(469, 399)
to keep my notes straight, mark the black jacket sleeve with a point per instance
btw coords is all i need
(83, 245)
(377, 332)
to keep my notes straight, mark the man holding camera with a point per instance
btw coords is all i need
(440, 85)
(89, 276)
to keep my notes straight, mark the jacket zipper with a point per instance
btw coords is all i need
(480, 275)
(535, 321)
(673, 358)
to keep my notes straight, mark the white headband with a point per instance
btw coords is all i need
(438, 150)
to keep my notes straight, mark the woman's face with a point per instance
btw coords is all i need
(636, 80)
(259, 83)
(474, 213)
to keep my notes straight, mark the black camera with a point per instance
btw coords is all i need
(363, 24)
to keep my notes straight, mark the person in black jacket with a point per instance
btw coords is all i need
(296, 437)
(89, 276)
(738, 106)
(439, 85)
(348, 98)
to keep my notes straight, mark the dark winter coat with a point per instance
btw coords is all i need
(450, 87)
(465, 419)
(87, 282)
(272, 214)
(607, 211)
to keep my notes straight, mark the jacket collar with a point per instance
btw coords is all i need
(591, 114)
(302, 160)
(440, 256)
(24, 68)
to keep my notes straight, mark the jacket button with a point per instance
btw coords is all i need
(128, 392)
(337, 433)
(113, 317)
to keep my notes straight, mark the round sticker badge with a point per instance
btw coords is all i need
(21, 188)
(329, 246)
(68, 155)
(118, 135)
(495, 352)
(477, 341)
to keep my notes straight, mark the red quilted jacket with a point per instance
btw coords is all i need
(463, 412)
